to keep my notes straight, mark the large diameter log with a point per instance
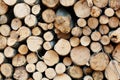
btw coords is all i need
(34, 43)
(21, 10)
(80, 55)
(81, 9)
(112, 72)
(99, 61)
(62, 47)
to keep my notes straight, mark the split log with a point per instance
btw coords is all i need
(62, 47)
(99, 61)
(88, 77)
(93, 22)
(21, 6)
(76, 31)
(85, 41)
(60, 68)
(95, 47)
(3, 7)
(18, 60)
(3, 19)
(9, 52)
(23, 49)
(30, 68)
(97, 75)
(109, 12)
(67, 3)
(104, 29)
(86, 31)
(95, 11)
(37, 76)
(103, 19)
(3, 42)
(75, 72)
(67, 61)
(50, 73)
(32, 58)
(34, 43)
(5, 30)
(80, 55)
(36, 9)
(2, 58)
(81, 9)
(16, 24)
(20, 73)
(51, 58)
(113, 22)
(63, 76)
(101, 3)
(6, 69)
(81, 22)
(74, 41)
(48, 15)
(41, 66)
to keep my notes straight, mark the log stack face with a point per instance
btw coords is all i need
(59, 39)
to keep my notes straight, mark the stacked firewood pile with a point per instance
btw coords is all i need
(59, 40)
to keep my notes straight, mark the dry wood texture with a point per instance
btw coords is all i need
(59, 39)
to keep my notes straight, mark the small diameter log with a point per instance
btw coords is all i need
(97, 75)
(75, 72)
(1, 77)
(103, 19)
(13, 34)
(50, 3)
(3, 42)
(41, 66)
(3, 19)
(85, 40)
(67, 61)
(118, 13)
(93, 22)
(104, 29)
(34, 43)
(115, 35)
(112, 72)
(95, 36)
(80, 55)
(81, 22)
(113, 22)
(50, 73)
(99, 61)
(48, 36)
(44, 79)
(23, 32)
(31, 2)
(12, 42)
(9, 52)
(50, 26)
(10, 2)
(2, 58)
(48, 15)
(16, 24)
(60, 68)
(48, 45)
(116, 52)
(67, 3)
(44, 26)
(95, 47)
(36, 31)
(6, 69)
(3, 7)
(36, 9)
(76, 31)
(51, 58)
(63, 76)
(115, 4)
(23, 49)
(62, 47)
(37, 76)
(90, 3)
(95, 11)
(30, 68)
(30, 20)
(32, 58)
(30, 79)
(18, 60)
(87, 70)
(86, 31)
(105, 40)
(5, 30)
(108, 48)
(74, 41)
(79, 11)
(109, 12)
(87, 77)
(20, 74)
(21, 6)
(101, 3)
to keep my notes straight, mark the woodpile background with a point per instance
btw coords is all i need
(59, 39)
